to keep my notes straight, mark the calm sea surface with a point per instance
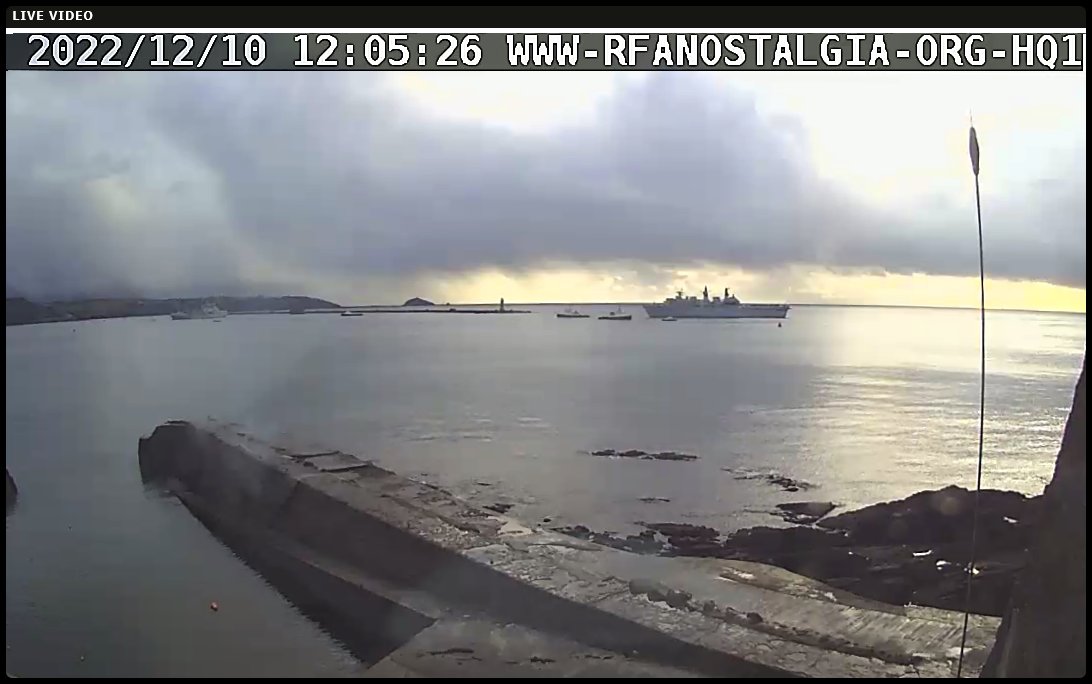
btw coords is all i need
(869, 404)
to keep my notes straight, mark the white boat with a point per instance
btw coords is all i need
(571, 313)
(352, 313)
(208, 311)
(669, 319)
(616, 316)
(680, 306)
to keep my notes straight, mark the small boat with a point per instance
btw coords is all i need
(352, 313)
(571, 313)
(672, 319)
(616, 316)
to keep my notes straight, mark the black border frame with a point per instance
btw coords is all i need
(482, 17)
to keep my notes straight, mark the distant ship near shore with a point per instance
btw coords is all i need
(209, 310)
(729, 306)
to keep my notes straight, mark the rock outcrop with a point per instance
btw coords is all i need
(914, 550)
(786, 483)
(10, 491)
(1043, 631)
(911, 551)
(805, 512)
(645, 455)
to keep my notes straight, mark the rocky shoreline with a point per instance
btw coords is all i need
(911, 551)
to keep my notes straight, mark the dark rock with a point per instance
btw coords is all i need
(699, 548)
(1043, 633)
(671, 456)
(773, 541)
(645, 542)
(641, 543)
(499, 507)
(646, 456)
(939, 517)
(689, 540)
(654, 499)
(452, 651)
(683, 530)
(579, 531)
(805, 513)
(904, 551)
(11, 492)
(676, 598)
(789, 484)
(786, 483)
(754, 618)
(891, 552)
(643, 587)
(658, 592)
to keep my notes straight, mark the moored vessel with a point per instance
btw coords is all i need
(616, 316)
(571, 313)
(729, 306)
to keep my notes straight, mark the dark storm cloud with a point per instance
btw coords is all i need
(186, 183)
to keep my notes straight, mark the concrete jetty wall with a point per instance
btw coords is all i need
(390, 564)
(304, 516)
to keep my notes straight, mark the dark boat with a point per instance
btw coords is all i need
(571, 313)
(617, 316)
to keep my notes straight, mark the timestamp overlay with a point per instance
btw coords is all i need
(492, 51)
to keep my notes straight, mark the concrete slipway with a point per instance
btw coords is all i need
(419, 583)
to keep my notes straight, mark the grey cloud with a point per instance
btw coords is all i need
(245, 182)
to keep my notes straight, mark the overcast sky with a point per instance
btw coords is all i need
(368, 187)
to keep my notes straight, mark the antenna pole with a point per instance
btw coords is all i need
(981, 398)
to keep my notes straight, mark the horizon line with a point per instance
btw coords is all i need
(642, 303)
(525, 303)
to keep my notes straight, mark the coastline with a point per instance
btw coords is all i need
(21, 311)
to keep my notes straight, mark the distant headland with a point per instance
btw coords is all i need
(22, 311)
(417, 301)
